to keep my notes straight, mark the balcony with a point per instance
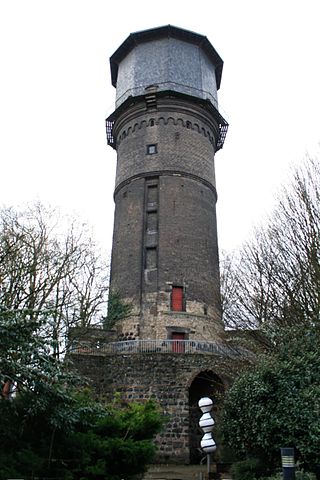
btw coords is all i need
(158, 346)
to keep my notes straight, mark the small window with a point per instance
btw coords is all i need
(152, 149)
(177, 299)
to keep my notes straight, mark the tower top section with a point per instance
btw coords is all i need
(166, 58)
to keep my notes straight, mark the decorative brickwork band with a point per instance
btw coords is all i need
(165, 121)
(174, 173)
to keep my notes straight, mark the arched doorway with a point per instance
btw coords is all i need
(205, 384)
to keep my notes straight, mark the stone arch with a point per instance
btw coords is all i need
(205, 384)
(170, 120)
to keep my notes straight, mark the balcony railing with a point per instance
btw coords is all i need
(158, 346)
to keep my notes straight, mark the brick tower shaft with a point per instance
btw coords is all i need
(166, 129)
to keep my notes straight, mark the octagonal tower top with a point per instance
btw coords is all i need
(166, 58)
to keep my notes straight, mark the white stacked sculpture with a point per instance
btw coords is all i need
(206, 423)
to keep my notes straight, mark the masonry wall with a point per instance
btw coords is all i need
(165, 229)
(165, 378)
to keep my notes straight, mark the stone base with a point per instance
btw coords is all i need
(176, 381)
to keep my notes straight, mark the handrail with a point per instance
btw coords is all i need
(157, 346)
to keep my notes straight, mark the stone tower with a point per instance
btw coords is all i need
(166, 129)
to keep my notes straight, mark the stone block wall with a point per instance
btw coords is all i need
(167, 378)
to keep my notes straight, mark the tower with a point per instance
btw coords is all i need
(166, 130)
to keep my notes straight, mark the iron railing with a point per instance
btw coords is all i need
(109, 132)
(158, 346)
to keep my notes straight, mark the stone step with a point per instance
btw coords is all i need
(175, 472)
(182, 472)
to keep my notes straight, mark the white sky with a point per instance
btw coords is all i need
(55, 93)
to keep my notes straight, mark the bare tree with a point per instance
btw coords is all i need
(274, 281)
(49, 263)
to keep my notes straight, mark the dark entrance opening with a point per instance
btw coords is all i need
(205, 384)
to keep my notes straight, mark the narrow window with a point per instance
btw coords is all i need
(152, 222)
(177, 300)
(152, 149)
(152, 194)
(151, 258)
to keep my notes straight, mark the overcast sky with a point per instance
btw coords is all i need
(55, 93)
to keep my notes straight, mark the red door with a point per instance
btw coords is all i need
(178, 347)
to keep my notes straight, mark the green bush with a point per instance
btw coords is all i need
(276, 476)
(302, 475)
(277, 403)
(249, 469)
(299, 474)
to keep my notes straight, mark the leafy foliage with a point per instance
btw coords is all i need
(271, 302)
(26, 359)
(97, 442)
(51, 426)
(277, 403)
(119, 444)
(248, 469)
(117, 310)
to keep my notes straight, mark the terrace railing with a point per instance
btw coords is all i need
(158, 346)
